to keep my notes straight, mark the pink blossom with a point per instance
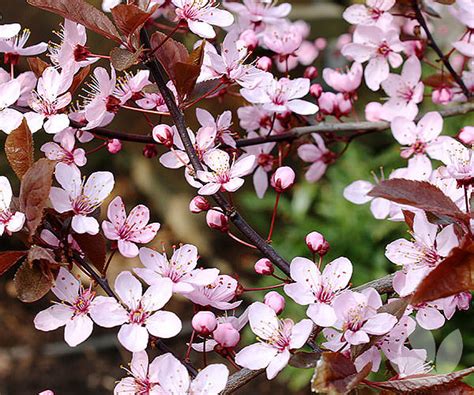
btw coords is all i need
(79, 197)
(65, 151)
(338, 105)
(282, 95)
(276, 339)
(10, 92)
(10, 221)
(221, 124)
(218, 294)
(263, 164)
(223, 175)
(73, 311)
(258, 11)
(357, 316)
(230, 64)
(129, 230)
(180, 268)
(421, 138)
(316, 289)
(72, 52)
(282, 39)
(264, 63)
(318, 155)
(411, 362)
(130, 85)
(344, 82)
(274, 300)
(377, 46)
(428, 314)
(9, 30)
(142, 313)
(200, 16)
(460, 301)
(390, 345)
(459, 162)
(420, 256)
(14, 47)
(374, 12)
(100, 106)
(442, 95)
(405, 91)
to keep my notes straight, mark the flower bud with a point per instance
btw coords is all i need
(264, 267)
(466, 135)
(317, 244)
(149, 151)
(46, 392)
(311, 73)
(315, 90)
(204, 322)
(264, 63)
(226, 335)
(250, 39)
(283, 179)
(216, 220)
(163, 134)
(199, 204)
(114, 146)
(442, 95)
(320, 43)
(275, 301)
(373, 111)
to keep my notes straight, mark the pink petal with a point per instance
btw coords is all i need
(133, 337)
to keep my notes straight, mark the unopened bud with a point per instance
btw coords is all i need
(199, 204)
(204, 322)
(466, 135)
(163, 134)
(317, 244)
(283, 179)
(311, 73)
(442, 95)
(264, 63)
(320, 43)
(250, 39)
(226, 335)
(315, 90)
(149, 151)
(216, 220)
(114, 146)
(264, 266)
(275, 301)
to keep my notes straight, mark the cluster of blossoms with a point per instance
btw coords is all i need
(259, 51)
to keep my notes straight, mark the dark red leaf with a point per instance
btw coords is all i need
(34, 192)
(37, 65)
(433, 382)
(9, 258)
(31, 283)
(453, 275)
(169, 52)
(93, 246)
(79, 78)
(337, 374)
(129, 18)
(82, 12)
(19, 149)
(187, 73)
(419, 194)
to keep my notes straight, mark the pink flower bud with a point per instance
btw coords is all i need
(283, 179)
(311, 73)
(275, 301)
(320, 43)
(327, 102)
(216, 220)
(163, 134)
(442, 95)
(317, 244)
(264, 266)
(149, 151)
(373, 111)
(204, 322)
(46, 392)
(315, 90)
(114, 146)
(264, 63)
(226, 335)
(199, 204)
(466, 135)
(250, 39)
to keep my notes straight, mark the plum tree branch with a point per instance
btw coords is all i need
(432, 43)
